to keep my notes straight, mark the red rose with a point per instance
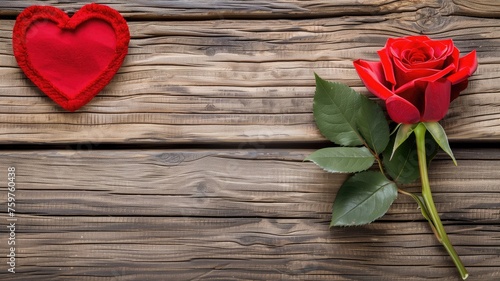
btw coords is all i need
(417, 77)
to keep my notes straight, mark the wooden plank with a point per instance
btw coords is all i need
(235, 214)
(240, 81)
(477, 8)
(235, 183)
(162, 248)
(137, 9)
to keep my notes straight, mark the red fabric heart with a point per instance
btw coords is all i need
(70, 59)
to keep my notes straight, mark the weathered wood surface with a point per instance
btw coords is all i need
(239, 74)
(236, 215)
(161, 9)
(217, 183)
(243, 80)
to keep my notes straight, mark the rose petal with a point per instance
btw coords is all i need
(430, 64)
(457, 88)
(404, 75)
(413, 92)
(401, 110)
(439, 74)
(441, 51)
(466, 66)
(453, 59)
(419, 38)
(442, 48)
(397, 45)
(416, 52)
(372, 75)
(386, 61)
(433, 64)
(437, 100)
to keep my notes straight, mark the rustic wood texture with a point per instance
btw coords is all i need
(237, 215)
(224, 81)
(105, 196)
(161, 9)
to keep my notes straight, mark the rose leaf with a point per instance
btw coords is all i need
(335, 111)
(373, 125)
(342, 159)
(404, 131)
(421, 205)
(363, 198)
(439, 135)
(402, 165)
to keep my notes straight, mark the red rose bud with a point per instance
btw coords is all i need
(417, 77)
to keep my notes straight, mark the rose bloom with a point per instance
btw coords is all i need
(417, 77)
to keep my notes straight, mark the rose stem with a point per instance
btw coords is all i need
(429, 202)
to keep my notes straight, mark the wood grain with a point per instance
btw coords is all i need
(208, 9)
(240, 81)
(234, 79)
(137, 9)
(238, 183)
(236, 215)
(159, 248)
(476, 8)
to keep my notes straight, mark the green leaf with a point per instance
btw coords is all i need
(402, 166)
(439, 135)
(423, 209)
(404, 131)
(335, 109)
(396, 129)
(373, 125)
(431, 149)
(343, 159)
(363, 198)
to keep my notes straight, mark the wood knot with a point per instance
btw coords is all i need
(172, 159)
(430, 20)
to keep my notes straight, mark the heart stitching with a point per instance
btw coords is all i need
(70, 59)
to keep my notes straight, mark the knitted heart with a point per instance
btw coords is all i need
(70, 59)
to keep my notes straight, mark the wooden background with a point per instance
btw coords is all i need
(188, 165)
